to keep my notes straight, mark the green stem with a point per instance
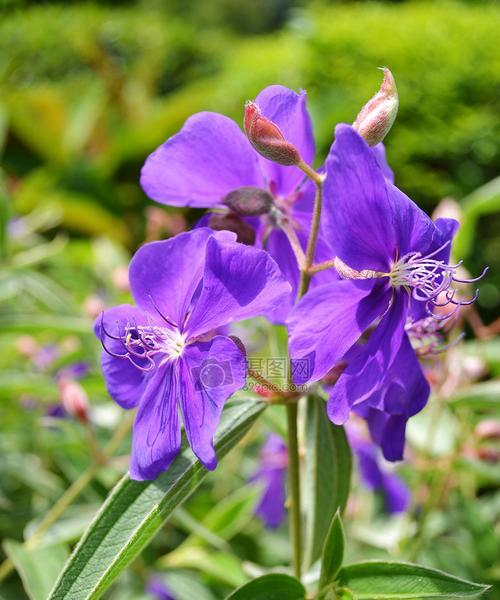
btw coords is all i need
(292, 409)
(305, 275)
(71, 493)
(294, 488)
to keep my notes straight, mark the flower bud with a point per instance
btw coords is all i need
(74, 399)
(249, 201)
(266, 137)
(233, 222)
(377, 115)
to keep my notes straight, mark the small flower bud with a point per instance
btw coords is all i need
(377, 116)
(74, 399)
(233, 222)
(249, 201)
(266, 137)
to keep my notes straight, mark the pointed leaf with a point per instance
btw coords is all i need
(135, 511)
(327, 477)
(274, 586)
(37, 567)
(333, 552)
(378, 580)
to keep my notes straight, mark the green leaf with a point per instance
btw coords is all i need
(327, 476)
(135, 511)
(478, 396)
(37, 567)
(222, 566)
(333, 552)
(31, 323)
(378, 580)
(274, 586)
(232, 513)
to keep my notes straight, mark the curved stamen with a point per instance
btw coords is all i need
(164, 317)
(428, 279)
(142, 343)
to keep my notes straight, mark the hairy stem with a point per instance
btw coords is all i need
(305, 275)
(294, 488)
(289, 231)
(292, 409)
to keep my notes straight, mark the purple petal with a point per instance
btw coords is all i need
(272, 475)
(288, 111)
(164, 275)
(158, 589)
(124, 381)
(358, 216)
(369, 365)
(197, 167)
(380, 157)
(280, 250)
(415, 231)
(402, 392)
(239, 282)
(211, 373)
(396, 494)
(328, 320)
(374, 477)
(156, 437)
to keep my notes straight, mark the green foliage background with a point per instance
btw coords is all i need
(87, 91)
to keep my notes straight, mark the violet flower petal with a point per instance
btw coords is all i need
(156, 438)
(202, 163)
(328, 320)
(164, 275)
(239, 282)
(358, 216)
(211, 373)
(124, 381)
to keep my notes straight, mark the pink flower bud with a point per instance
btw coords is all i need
(267, 138)
(74, 399)
(377, 115)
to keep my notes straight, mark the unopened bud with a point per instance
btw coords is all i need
(74, 399)
(267, 138)
(233, 222)
(249, 201)
(377, 115)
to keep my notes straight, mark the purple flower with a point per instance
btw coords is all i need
(211, 157)
(158, 589)
(394, 264)
(272, 475)
(162, 354)
(395, 492)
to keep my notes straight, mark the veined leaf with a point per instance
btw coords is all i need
(327, 478)
(135, 511)
(378, 580)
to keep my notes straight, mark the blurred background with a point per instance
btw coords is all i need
(87, 91)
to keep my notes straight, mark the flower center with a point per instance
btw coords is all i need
(146, 346)
(431, 281)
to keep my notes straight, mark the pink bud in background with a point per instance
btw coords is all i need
(267, 138)
(74, 399)
(93, 306)
(377, 116)
(120, 278)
